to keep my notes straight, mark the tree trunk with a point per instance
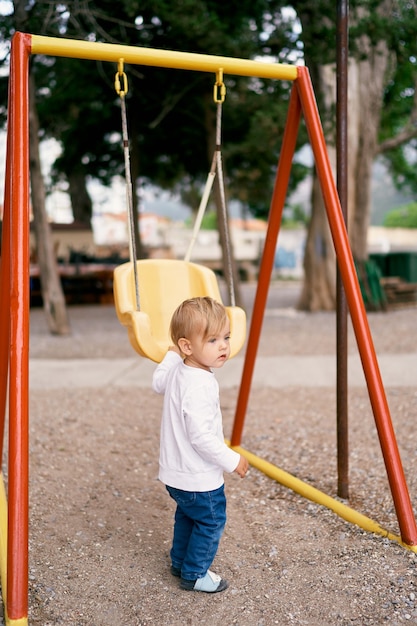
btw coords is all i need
(82, 206)
(52, 294)
(366, 80)
(319, 286)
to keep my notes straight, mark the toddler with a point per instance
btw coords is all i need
(193, 454)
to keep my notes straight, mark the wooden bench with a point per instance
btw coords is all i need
(399, 292)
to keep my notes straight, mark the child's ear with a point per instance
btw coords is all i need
(185, 346)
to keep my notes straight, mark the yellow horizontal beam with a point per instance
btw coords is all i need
(72, 48)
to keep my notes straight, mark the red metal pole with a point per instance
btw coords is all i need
(366, 348)
(18, 488)
(267, 263)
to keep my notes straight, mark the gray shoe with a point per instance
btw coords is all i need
(210, 583)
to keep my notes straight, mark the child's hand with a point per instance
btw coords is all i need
(242, 467)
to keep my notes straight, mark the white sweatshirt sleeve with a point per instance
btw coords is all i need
(161, 374)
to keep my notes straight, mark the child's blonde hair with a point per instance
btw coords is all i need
(202, 315)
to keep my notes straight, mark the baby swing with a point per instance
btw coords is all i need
(147, 292)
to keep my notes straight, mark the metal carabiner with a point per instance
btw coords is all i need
(219, 86)
(120, 75)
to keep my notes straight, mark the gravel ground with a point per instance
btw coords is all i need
(101, 523)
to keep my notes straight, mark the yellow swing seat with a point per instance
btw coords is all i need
(163, 285)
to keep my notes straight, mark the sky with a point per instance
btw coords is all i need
(6, 7)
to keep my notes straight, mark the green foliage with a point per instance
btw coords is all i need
(402, 217)
(209, 221)
(398, 110)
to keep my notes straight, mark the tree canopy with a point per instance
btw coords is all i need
(170, 112)
(168, 109)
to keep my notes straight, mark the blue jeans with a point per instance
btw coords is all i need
(200, 519)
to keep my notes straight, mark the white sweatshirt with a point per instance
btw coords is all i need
(193, 454)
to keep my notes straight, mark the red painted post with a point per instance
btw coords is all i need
(267, 263)
(18, 488)
(364, 340)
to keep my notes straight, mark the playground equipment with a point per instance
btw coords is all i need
(163, 285)
(14, 308)
(147, 292)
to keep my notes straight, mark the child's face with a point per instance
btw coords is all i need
(209, 352)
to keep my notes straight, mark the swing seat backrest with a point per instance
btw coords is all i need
(163, 285)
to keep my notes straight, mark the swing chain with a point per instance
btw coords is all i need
(129, 191)
(217, 164)
(219, 87)
(119, 79)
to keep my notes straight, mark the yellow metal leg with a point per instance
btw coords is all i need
(317, 496)
(3, 539)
